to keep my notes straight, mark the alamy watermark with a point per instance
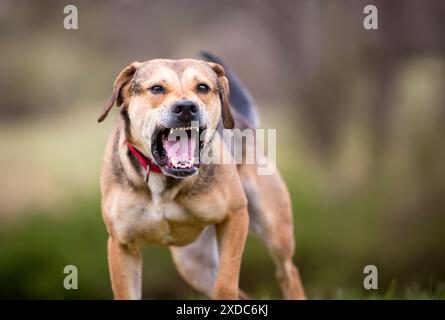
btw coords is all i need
(236, 146)
(71, 20)
(371, 281)
(371, 22)
(70, 281)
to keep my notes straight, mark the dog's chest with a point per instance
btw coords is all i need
(169, 224)
(160, 220)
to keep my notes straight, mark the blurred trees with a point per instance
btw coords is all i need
(326, 46)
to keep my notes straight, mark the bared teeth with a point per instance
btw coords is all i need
(183, 164)
(172, 130)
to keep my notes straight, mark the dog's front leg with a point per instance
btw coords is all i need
(231, 235)
(125, 264)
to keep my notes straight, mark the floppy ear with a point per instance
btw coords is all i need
(122, 79)
(223, 90)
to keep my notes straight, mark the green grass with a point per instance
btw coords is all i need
(34, 252)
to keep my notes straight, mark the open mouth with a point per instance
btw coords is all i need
(177, 150)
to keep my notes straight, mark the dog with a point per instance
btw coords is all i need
(201, 211)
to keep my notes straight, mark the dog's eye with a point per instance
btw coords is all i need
(203, 88)
(157, 89)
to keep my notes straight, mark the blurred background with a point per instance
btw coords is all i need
(360, 128)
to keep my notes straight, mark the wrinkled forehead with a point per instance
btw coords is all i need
(170, 70)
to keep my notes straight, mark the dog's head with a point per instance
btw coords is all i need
(164, 101)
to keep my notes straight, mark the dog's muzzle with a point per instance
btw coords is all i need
(176, 143)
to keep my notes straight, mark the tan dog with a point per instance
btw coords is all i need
(150, 195)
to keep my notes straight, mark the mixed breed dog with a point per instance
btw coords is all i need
(154, 193)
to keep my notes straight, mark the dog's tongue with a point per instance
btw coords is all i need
(181, 150)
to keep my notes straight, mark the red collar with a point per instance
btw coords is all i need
(145, 162)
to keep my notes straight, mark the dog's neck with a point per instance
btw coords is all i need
(147, 164)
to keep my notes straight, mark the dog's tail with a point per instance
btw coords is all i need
(246, 111)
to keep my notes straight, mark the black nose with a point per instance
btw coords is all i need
(185, 111)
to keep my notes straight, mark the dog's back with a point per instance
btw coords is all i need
(244, 109)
